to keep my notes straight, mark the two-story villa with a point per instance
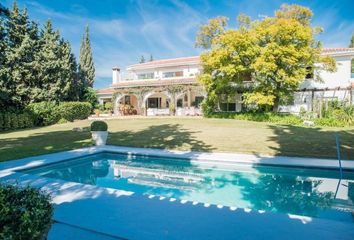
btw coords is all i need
(170, 86)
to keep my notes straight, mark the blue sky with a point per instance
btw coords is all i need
(123, 30)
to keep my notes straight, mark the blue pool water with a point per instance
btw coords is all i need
(308, 192)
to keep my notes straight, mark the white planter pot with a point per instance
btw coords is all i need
(100, 137)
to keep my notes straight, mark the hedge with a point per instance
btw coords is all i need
(46, 113)
(71, 111)
(12, 121)
(25, 213)
(338, 119)
(260, 117)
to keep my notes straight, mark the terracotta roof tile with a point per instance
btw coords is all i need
(105, 90)
(182, 60)
(191, 59)
(332, 50)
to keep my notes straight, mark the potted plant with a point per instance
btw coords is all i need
(99, 132)
(109, 107)
(97, 112)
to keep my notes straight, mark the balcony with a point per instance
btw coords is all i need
(134, 77)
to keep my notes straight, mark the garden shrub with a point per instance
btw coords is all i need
(46, 113)
(71, 111)
(345, 115)
(25, 213)
(16, 120)
(260, 117)
(329, 122)
(108, 106)
(99, 126)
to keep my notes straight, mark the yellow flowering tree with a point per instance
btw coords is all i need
(276, 53)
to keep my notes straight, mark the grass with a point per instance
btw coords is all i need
(219, 135)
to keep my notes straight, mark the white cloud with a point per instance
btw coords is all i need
(163, 30)
(148, 29)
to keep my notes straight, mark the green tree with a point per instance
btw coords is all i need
(151, 58)
(209, 32)
(68, 72)
(4, 12)
(90, 96)
(142, 59)
(34, 67)
(4, 93)
(20, 57)
(275, 53)
(351, 45)
(76, 87)
(52, 85)
(86, 66)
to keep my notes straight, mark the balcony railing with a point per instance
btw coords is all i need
(134, 77)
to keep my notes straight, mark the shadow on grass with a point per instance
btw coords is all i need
(311, 142)
(42, 143)
(165, 136)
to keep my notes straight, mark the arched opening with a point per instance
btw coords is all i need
(188, 103)
(157, 103)
(127, 105)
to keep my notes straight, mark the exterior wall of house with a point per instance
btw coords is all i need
(340, 78)
(332, 85)
(159, 72)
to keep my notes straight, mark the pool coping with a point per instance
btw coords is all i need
(212, 157)
(71, 199)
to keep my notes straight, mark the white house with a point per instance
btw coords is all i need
(164, 86)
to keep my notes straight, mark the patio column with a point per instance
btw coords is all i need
(116, 104)
(189, 98)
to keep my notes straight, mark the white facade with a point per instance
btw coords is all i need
(183, 71)
(163, 69)
(338, 85)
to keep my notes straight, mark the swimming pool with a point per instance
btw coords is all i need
(301, 191)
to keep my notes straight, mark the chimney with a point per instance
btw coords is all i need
(116, 78)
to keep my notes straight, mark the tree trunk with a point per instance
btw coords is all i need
(276, 104)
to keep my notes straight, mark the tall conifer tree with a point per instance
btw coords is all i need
(69, 72)
(86, 67)
(54, 71)
(142, 59)
(4, 93)
(37, 66)
(19, 57)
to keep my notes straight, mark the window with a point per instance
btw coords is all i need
(352, 69)
(179, 103)
(153, 102)
(173, 74)
(310, 73)
(228, 107)
(145, 75)
(127, 100)
(198, 100)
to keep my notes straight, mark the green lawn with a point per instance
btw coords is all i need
(219, 135)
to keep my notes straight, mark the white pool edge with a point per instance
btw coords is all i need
(212, 157)
(63, 189)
